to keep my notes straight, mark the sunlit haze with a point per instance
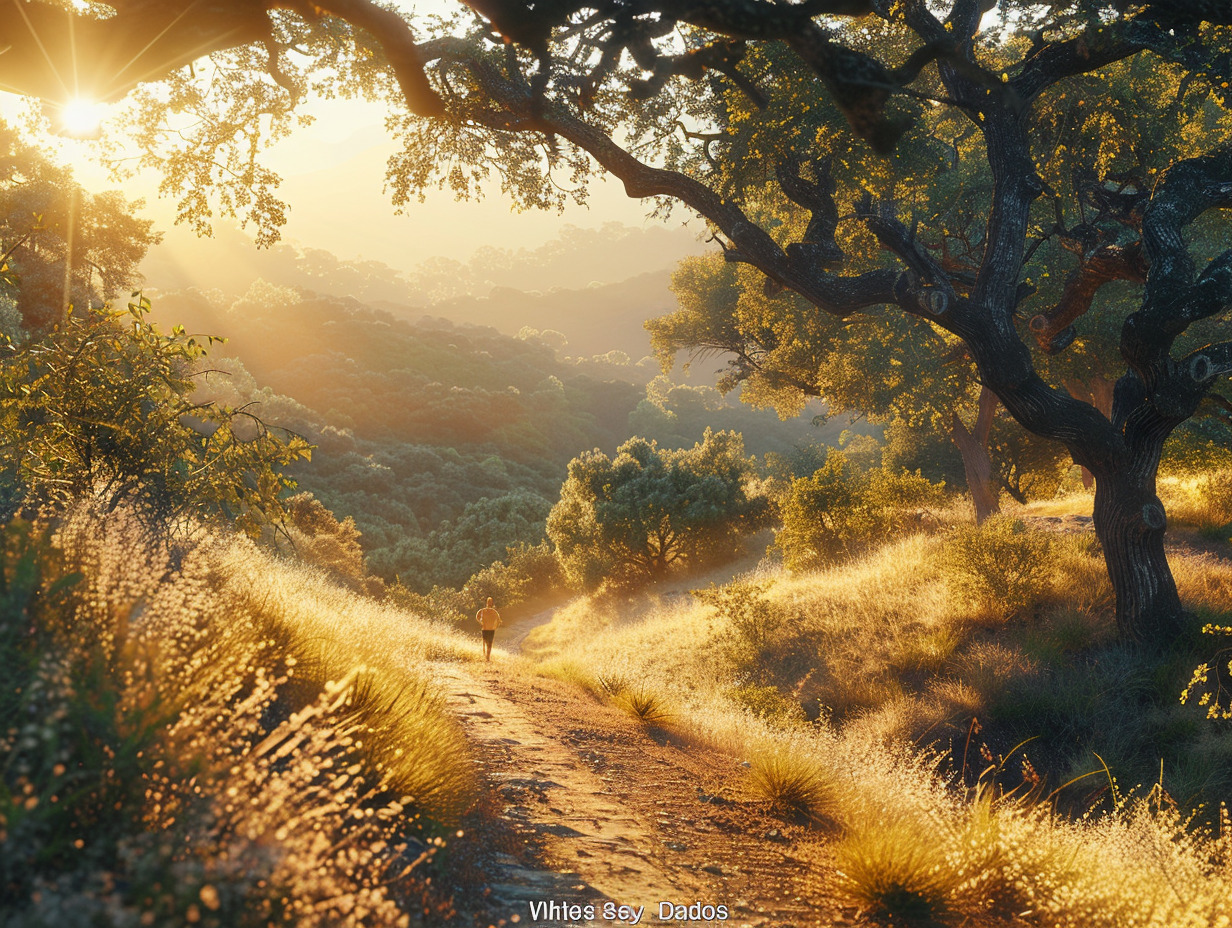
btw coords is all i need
(333, 179)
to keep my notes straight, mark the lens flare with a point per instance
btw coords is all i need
(81, 118)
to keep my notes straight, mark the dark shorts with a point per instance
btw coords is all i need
(488, 634)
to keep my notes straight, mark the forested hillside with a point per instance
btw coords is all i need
(446, 444)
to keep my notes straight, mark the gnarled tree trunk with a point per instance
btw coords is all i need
(977, 464)
(1098, 392)
(1130, 521)
(1130, 524)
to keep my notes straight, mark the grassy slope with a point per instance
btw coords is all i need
(889, 655)
(227, 738)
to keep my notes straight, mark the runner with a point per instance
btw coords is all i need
(489, 620)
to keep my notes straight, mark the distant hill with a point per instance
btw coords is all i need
(229, 262)
(594, 319)
(448, 441)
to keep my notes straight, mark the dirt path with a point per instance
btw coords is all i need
(591, 808)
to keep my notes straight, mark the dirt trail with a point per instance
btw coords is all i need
(594, 808)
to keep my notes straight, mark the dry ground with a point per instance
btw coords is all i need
(591, 807)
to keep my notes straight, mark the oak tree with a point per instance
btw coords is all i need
(533, 94)
(649, 511)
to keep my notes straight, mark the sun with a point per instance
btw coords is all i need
(80, 118)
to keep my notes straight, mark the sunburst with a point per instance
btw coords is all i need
(80, 118)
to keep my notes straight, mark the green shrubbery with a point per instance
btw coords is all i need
(318, 538)
(649, 511)
(199, 733)
(102, 407)
(841, 510)
(527, 572)
(1001, 568)
(749, 626)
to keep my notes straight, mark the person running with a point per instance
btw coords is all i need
(489, 620)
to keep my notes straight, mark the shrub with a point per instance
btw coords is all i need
(526, 572)
(650, 510)
(441, 603)
(103, 407)
(611, 684)
(1212, 680)
(1000, 567)
(320, 539)
(768, 703)
(840, 511)
(895, 868)
(790, 782)
(749, 622)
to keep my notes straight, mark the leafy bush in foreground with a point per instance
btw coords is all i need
(102, 407)
(840, 511)
(169, 760)
(1000, 567)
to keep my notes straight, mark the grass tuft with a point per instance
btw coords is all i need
(791, 783)
(612, 684)
(648, 707)
(895, 868)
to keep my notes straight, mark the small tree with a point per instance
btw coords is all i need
(102, 408)
(63, 245)
(647, 511)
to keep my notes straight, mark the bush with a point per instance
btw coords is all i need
(103, 407)
(1212, 679)
(1001, 568)
(526, 572)
(650, 511)
(766, 702)
(749, 624)
(647, 707)
(440, 603)
(321, 540)
(840, 511)
(897, 869)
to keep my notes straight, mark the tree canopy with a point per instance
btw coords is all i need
(532, 97)
(61, 246)
(647, 511)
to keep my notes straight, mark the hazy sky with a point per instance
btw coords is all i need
(334, 175)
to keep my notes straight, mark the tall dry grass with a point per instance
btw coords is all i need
(1202, 499)
(213, 736)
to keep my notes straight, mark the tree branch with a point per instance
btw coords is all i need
(1174, 299)
(58, 54)
(1054, 329)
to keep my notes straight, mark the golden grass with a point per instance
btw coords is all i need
(1203, 500)
(791, 782)
(268, 742)
(897, 655)
(401, 721)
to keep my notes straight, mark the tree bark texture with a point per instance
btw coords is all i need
(1098, 392)
(1130, 522)
(977, 464)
